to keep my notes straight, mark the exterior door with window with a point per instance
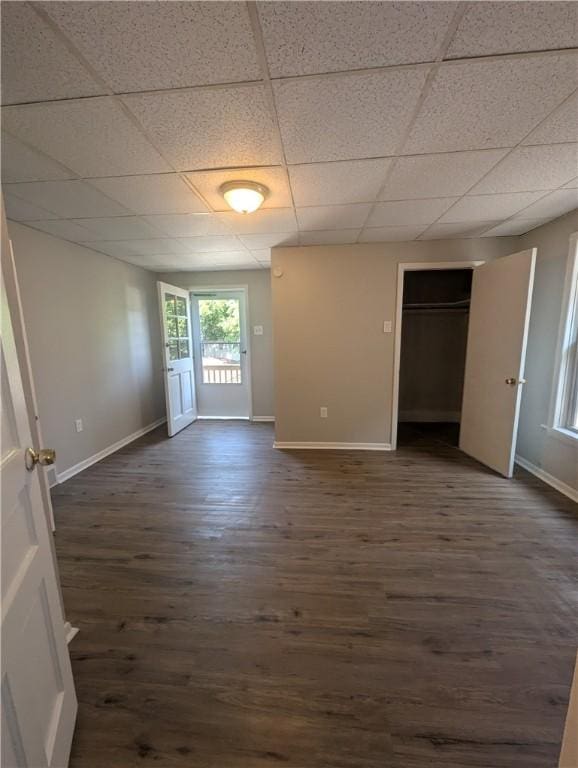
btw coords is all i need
(174, 305)
(220, 354)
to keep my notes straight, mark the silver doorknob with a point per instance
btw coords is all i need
(45, 457)
(513, 381)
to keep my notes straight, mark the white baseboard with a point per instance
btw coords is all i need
(333, 446)
(61, 477)
(263, 418)
(546, 477)
(430, 416)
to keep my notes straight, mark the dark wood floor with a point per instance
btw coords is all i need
(241, 607)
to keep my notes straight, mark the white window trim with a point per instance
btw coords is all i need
(567, 321)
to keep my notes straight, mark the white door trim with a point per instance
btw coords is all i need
(244, 289)
(402, 268)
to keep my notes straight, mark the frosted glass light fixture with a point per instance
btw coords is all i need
(244, 196)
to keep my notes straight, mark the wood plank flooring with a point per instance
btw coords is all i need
(242, 607)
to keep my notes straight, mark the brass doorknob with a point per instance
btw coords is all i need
(45, 457)
(512, 381)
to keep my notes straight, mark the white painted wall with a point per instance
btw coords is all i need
(93, 330)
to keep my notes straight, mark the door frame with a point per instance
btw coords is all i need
(402, 268)
(244, 289)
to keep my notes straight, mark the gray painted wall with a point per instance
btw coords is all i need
(259, 313)
(94, 337)
(536, 444)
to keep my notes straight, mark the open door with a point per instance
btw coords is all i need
(175, 310)
(38, 698)
(494, 374)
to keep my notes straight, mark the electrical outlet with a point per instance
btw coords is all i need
(323, 412)
(387, 326)
(78, 425)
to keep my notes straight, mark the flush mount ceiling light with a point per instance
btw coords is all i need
(244, 196)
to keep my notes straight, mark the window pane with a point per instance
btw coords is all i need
(173, 349)
(169, 304)
(181, 306)
(183, 326)
(172, 326)
(220, 341)
(184, 348)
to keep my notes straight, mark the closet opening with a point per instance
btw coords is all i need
(432, 335)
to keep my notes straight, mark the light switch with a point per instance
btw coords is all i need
(257, 330)
(387, 326)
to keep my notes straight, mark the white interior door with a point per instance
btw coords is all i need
(220, 352)
(494, 374)
(179, 377)
(38, 698)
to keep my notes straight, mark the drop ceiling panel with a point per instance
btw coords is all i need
(549, 207)
(159, 193)
(490, 102)
(216, 244)
(532, 168)
(261, 222)
(23, 210)
(329, 237)
(208, 184)
(188, 224)
(210, 128)
(390, 234)
(120, 248)
(489, 207)
(325, 217)
(310, 37)
(561, 125)
(514, 227)
(341, 117)
(263, 256)
(456, 230)
(256, 242)
(138, 46)
(352, 181)
(93, 137)
(119, 228)
(36, 63)
(445, 175)
(234, 259)
(21, 163)
(409, 212)
(509, 27)
(67, 230)
(67, 199)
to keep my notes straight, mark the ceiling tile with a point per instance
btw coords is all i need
(158, 193)
(390, 234)
(329, 237)
(210, 128)
(561, 125)
(150, 46)
(573, 184)
(456, 230)
(352, 181)
(36, 64)
(506, 27)
(256, 242)
(551, 206)
(309, 37)
(120, 248)
(261, 222)
(236, 259)
(532, 168)
(20, 163)
(68, 199)
(325, 217)
(262, 255)
(93, 137)
(490, 102)
(188, 224)
(119, 228)
(66, 230)
(22, 210)
(208, 184)
(341, 117)
(409, 212)
(445, 175)
(474, 208)
(514, 227)
(215, 244)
